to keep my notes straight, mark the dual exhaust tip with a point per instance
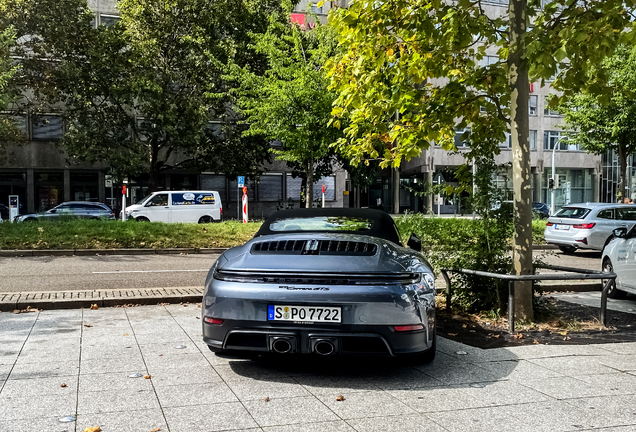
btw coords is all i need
(289, 345)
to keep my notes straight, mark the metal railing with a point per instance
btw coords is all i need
(581, 274)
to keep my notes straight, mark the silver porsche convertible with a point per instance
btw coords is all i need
(323, 282)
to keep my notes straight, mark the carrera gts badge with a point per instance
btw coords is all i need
(293, 288)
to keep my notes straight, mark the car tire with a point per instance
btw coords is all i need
(31, 219)
(613, 292)
(142, 219)
(206, 219)
(567, 249)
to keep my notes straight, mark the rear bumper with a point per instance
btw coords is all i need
(345, 339)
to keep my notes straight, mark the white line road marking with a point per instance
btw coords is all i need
(149, 271)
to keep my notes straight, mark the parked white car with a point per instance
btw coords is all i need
(619, 256)
(178, 206)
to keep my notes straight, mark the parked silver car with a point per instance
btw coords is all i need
(587, 226)
(619, 256)
(322, 282)
(71, 210)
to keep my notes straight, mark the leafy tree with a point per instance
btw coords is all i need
(141, 93)
(291, 101)
(608, 121)
(422, 58)
(9, 131)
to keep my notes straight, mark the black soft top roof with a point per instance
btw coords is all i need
(382, 227)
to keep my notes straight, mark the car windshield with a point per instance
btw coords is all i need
(322, 223)
(141, 201)
(572, 212)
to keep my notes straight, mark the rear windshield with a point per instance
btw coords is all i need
(322, 223)
(573, 212)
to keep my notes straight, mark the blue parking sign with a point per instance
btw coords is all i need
(241, 181)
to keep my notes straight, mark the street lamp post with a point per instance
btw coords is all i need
(553, 179)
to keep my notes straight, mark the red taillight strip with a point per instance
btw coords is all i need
(405, 328)
(584, 226)
(549, 224)
(211, 320)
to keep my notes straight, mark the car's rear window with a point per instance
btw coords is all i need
(573, 212)
(322, 223)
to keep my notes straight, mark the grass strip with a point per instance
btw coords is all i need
(98, 234)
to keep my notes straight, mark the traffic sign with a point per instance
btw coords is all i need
(241, 181)
(439, 179)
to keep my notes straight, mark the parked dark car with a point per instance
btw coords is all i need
(73, 210)
(322, 282)
(540, 210)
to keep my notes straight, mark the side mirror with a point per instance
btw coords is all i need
(620, 232)
(52, 211)
(415, 243)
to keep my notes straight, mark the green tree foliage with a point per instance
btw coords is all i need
(9, 131)
(141, 94)
(607, 121)
(291, 101)
(423, 59)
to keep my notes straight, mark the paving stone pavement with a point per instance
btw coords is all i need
(78, 363)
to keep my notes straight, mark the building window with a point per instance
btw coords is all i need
(489, 60)
(316, 9)
(547, 111)
(532, 105)
(462, 138)
(211, 182)
(84, 186)
(532, 139)
(293, 187)
(215, 128)
(330, 188)
(555, 138)
(270, 187)
(47, 127)
(251, 191)
(108, 20)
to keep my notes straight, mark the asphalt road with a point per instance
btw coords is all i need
(30, 274)
(64, 273)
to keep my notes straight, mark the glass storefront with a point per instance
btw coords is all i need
(13, 183)
(84, 187)
(49, 189)
(574, 186)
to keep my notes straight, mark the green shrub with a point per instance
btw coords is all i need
(480, 244)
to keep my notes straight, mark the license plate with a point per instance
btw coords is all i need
(305, 314)
(561, 227)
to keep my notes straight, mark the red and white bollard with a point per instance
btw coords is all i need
(244, 205)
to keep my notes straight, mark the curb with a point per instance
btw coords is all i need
(86, 252)
(10, 302)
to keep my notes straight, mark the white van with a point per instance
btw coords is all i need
(178, 206)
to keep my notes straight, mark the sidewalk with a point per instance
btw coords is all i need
(146, 369)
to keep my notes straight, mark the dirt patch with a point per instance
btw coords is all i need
(557, 323)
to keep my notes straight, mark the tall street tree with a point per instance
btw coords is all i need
(147, 93)
(291, 102)
(9, 130)
(425, 60)
(605, 122)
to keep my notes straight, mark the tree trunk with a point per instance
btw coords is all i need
(309, 193)
(519, 94)
(622, 161)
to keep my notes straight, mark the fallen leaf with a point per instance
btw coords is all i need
(198, 305)
(93, 429)
(563, 333)
(156, 430)
(94, 306)
(266, 399)
(17, 311)
(340, 398)
(63, 385)
(148, 376)
(126, 334)
(452, 334)
(518, 336)
(464, 326)
(198, 317)
(536, 342)
(88, 325)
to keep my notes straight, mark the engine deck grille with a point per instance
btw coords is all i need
(315, 247)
